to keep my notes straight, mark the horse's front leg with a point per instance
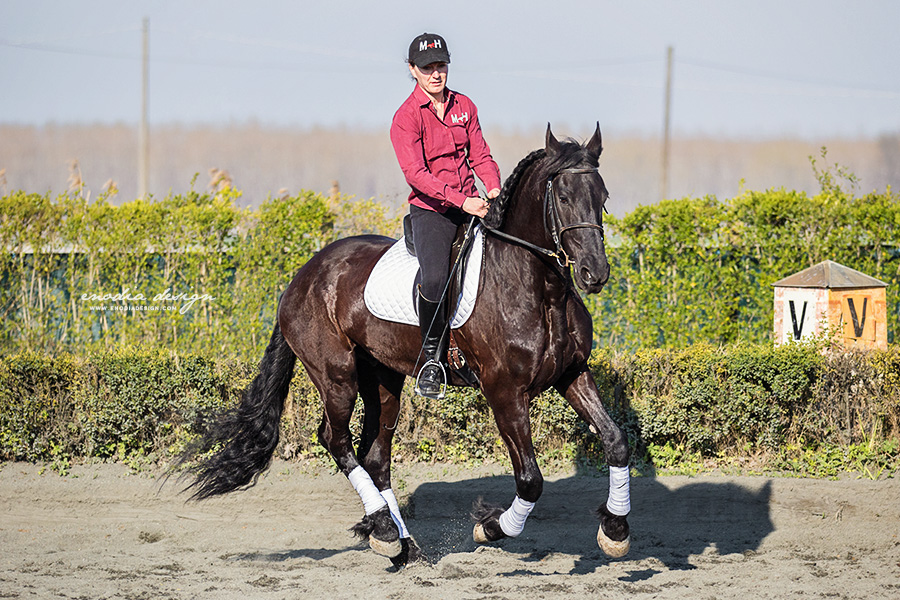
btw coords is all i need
(493, 523)
(581, 392)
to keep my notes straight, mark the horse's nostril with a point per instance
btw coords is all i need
(586, 275)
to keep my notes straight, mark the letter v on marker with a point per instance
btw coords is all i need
(858, 325)
(798, 327)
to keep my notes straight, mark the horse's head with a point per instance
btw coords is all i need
(574, 201)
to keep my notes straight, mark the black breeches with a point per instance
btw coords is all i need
(433, 235)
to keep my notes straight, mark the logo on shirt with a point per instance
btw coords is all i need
(424, 44)
(463, 118)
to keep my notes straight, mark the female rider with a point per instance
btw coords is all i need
(439, 144)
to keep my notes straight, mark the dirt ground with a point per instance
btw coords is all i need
(102, 532)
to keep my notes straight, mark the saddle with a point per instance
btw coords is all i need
(460, 245)
(390, 291)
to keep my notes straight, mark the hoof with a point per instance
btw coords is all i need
(382, 533)
(613, 536)
(410, 554)
(487, 529)
(612, 548)
(385, 548)
(485, 533)
(479, 535)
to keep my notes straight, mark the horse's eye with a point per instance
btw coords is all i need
(563, 200)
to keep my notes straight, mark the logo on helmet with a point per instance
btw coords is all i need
(424, 45)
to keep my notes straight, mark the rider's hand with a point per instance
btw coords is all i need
(475, 206)
(493, 193)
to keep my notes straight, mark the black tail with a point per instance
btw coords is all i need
(250, 431)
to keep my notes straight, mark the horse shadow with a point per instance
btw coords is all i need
(671, 519)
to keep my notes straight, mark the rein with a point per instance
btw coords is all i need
(552, 223)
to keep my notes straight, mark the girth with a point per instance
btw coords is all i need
(459, 256)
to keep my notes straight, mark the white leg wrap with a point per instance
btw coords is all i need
(619, 502)
(365, 487)
(391, 500)
(512, 522)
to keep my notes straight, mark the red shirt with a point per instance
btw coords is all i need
(433, 152)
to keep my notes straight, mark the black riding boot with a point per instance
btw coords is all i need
(432, 377)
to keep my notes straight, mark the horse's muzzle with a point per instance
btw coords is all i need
(592, 278)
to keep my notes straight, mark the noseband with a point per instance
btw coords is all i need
(552, 222)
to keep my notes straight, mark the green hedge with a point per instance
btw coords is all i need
(203, 274)
(122, 404)
(687, 271)
(791, 408)
(701, 269)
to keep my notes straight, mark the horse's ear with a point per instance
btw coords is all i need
(551, 144)
(595, 145)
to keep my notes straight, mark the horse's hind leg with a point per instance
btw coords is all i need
(613, 536)
(337, 383)
(380, 389)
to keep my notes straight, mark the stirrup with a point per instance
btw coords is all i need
(443, 382)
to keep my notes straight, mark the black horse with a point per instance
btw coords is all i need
(529, 331)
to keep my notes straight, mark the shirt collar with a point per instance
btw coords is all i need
(424, 99)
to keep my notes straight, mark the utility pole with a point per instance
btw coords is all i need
(664, 180)
(144, 132)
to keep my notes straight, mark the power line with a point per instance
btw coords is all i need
(91, 35)
(739, 70)
(804, 86)
(280, 45)
(809, 90)
(43, 47)
(185, 61)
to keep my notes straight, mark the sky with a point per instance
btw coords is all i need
(761, 69)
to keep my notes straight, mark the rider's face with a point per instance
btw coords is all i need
(431, 78)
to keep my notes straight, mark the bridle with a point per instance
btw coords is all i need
(553, 225)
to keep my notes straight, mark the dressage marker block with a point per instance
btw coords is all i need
(831, 298)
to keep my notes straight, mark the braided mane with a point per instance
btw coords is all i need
(571, 154)
(497, 211)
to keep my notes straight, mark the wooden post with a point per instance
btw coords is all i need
(144, 132)
(664, 178)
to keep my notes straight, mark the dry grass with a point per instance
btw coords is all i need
(265, 161)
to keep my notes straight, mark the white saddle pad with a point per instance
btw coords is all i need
(390, 291)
